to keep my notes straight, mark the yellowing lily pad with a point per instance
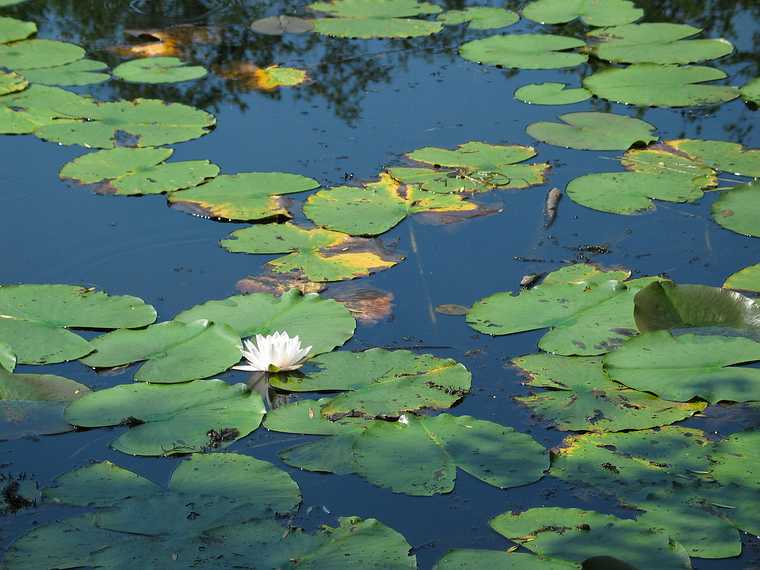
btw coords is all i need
(158, 70)
(248, 196)
(137, 171)
(251, 77)
(721, 155)
(377, 207)
(591, 12)
(525, 51)
(318, 255)
(11, 83)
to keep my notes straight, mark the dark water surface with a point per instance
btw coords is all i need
(368, 103)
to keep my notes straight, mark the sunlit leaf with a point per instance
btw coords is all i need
(656, 43)
(321, 323)
(137, 171)
(166, 420)
(33, 54)
(319, 255)
(35, 318)
(248, 196)
(551, 94)
(377, 207)
(738, 209)
(380, 383)
(687, 366)
(580, 397)
(174, 351)
(250, 77)
(648, 84)
(158, 70)
(525, 51)
(594, 131)
(11, 83)
(721, 155)
(591, 12)
(480, 17)
(751, 91)
(13, 30)
(82, 72)
(748, 279)
(27, 110)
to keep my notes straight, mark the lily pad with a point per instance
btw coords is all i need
(35, 318)
(167, 420)
(472, 559)
(4, 3)
(576, 535)
(664, 305)
(82, 72)
(591, 12)
(590, 310)
(380, 383)
(33, 404)
(13, 30)
(317, 254)
(525, 51)
(680, 368)
(24, 111)
(375, 8)
(580, 397)
(174, 351)
(7, 358)
(11, 83)
(594, 131)
(279, 25)
(738, 209)
(480, 17)
(377, 207)
(274, 76)
(656, 43)
(321, 323)
(748, 279)
(721, 155)
(142, 122)
(369, 28)
(751, 91)
(656, 173)
(247, 196)
(137, 171)
(550, 94)
(420, 455)
(648, 84)
(158, 70)
(33, 54)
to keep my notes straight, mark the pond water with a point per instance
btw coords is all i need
(366, 103)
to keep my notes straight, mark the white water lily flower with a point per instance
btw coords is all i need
(273, 353)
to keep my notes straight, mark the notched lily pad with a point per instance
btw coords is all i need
(751, 91)
(33, 54)
(594, 131)
(158, 70)
(480, 17)
(550, 94)
(525, 51)
(166, 420)
(137, 171)
(318, 255)
(248, 196)
(82, 72)
(591, 12)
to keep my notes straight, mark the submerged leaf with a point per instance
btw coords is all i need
(550, 94)
(594, 131)
(279, 25)
(158, 70)
(525, 51)
(591, 12)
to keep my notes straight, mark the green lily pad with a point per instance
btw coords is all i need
(656, 173)
(648, 84)
(576, 535)
(167, 420)
(664, 305)
(656, 43)
(738, 209)
(594, 131)
(375, 8)
(174, 351)
(323, 324)
(4, 3)
(248, 196)
(369, 28)
(751, 91)
(158, 70)
(25, 111)
(33, 54)
(736, 460)
(591, 12)
(35, 318)
(480, 18)
(82, 72)
(137, 171)
(33, 404)
(420, 455)
(525, 51)
(380, 383)
(748, 279)
(590, 310)
(142, 122)
(318, 255)
(680, 368)
(13, 30)
(377, 207)
(7, 358)
(11, 83)
(721, 155)
(580, 397)
(550, 94)
(472, 559)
